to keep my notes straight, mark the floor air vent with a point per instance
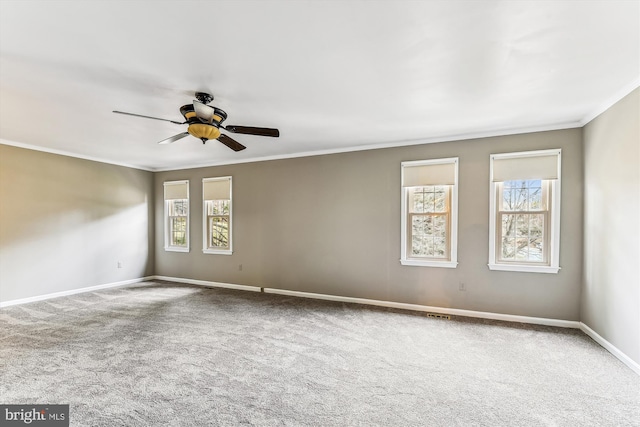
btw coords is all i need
(439, 316)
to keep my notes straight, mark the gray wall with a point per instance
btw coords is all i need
(611, 290)
(65, 223)
(331, 224)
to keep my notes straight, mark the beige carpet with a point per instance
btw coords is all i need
(171, 354)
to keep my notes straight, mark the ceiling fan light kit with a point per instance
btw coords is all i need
(203, 131)
(205, 122)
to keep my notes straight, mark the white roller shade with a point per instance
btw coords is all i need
(217, 190)
(176, 190)
(530, 167)
(434, 174)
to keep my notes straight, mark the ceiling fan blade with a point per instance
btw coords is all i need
(203, 111)
(231, 143)
(148, 117)
(253, 131)
(174, 138)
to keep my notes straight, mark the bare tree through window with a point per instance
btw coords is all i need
(218, 224)
(178, 210)
(522, 218)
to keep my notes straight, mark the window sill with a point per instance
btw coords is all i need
(420, 263)
(524, 268)
(175, 249)
(217, 251)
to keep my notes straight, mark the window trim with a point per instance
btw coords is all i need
(205, 225)
(452, 261)
(553, 265)
(167, 247)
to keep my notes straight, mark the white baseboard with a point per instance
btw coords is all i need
(611, 348)
(72, 292)
(390, 304)
(209, 284)
(403, 306)
(441, 310)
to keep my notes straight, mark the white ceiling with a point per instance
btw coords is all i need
(331, 75)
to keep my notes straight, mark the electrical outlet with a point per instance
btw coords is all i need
(239, 267)
(462, 287)
(119, 264)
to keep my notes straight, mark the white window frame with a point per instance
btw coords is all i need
(552, 233)
(167, 227)
(452, 260)
(205, 223)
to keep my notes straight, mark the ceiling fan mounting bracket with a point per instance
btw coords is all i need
(203, 97)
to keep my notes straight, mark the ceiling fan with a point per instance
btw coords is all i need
(205, 123)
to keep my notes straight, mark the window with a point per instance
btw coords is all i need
(525, 211)
(176, 212)
(523, 215)
(430, 213)
(216, 201)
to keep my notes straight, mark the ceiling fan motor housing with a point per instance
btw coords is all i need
(203, 131)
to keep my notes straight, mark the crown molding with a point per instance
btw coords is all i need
(402, 143)
(626, 90)
(70, 154)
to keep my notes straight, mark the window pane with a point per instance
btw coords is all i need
(520, 197)
(178, 231)
(525, 195)
(218, 232)
(535, 198)
(439, 201)
(178, 207)
(179, 224)
(440, 226)
(217, 207)
(522, 237)
(429, 200)
(508, 248)
(522, 249)
(535, 250)
(509, 225)
(439, 247)
(507, 203)
(422, 246)
(418, 202)
(536, 225)
(418, 199)
(429, 236)
(422, 225)
(522, 225)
